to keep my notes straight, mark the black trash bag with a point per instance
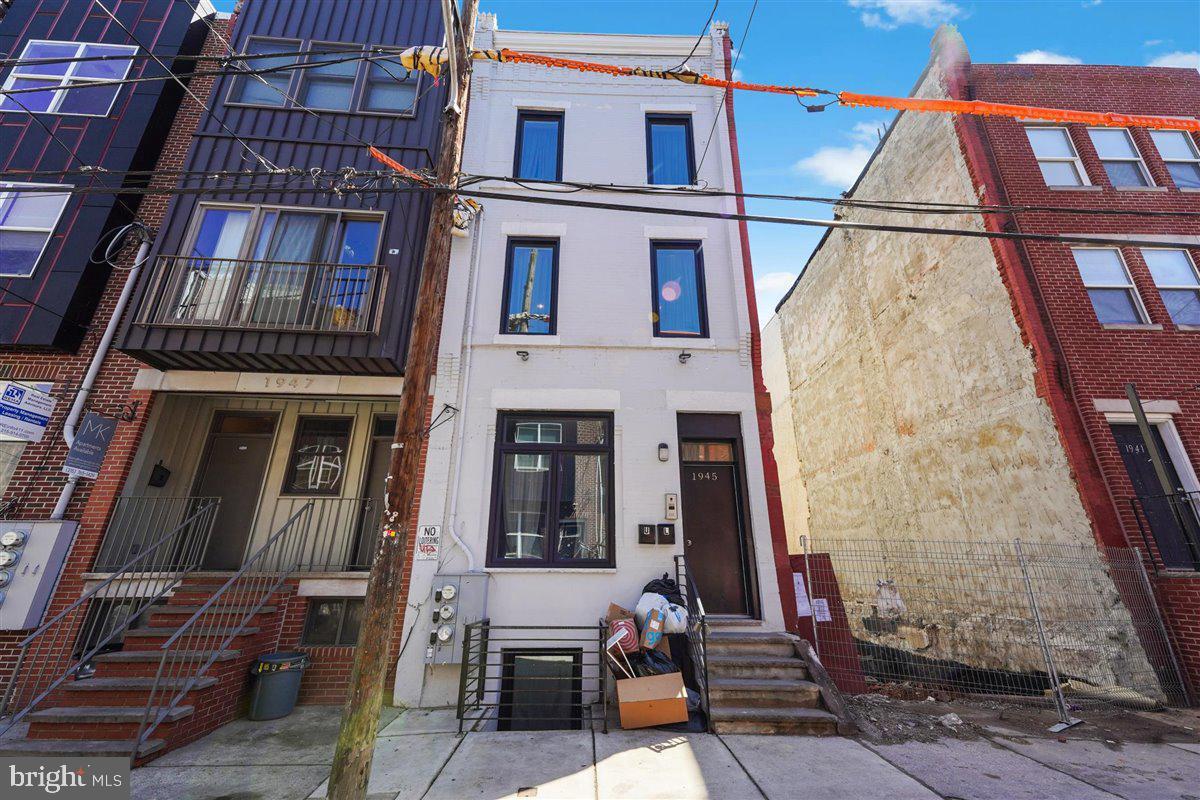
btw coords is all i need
(666, 587)
(654, 662)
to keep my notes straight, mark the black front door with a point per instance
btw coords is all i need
(1171, 519)
(713, 532)
(235, 463)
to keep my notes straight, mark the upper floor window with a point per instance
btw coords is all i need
(250, 89)
(678, 279)
(390, 90)
(1120, 157)
(330, 85)
(65, 83)
(1056, 156)
(669, 155)
(1175, 276)
(27, 220)
(552, 501)
(530, 287)
(539, 146)
(1178, 150)
(1109, 286)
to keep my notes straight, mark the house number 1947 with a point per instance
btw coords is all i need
(286, 382)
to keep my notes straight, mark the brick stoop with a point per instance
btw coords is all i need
(101, 715)
(759, 683)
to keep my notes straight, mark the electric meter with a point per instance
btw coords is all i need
(12, 538)
(449, 591)
(446, 613)
(445, 633)
(5, 577)
(7, 558)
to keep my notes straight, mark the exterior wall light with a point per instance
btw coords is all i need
(664, 452)
(684, 356)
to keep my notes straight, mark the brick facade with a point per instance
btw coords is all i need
(1079, 360)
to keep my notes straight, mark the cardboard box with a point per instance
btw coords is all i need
(656, 700)
(652, 631)
(617, 612)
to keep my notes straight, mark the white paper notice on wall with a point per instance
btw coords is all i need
(429, 542)
(821, 609)
(803, 608)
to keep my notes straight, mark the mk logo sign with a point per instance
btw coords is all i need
(67, 778)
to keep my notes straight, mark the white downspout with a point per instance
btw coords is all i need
(89, 380)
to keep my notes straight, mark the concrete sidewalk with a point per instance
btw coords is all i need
(419, 755)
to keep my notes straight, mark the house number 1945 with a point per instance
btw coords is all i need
(706, 476)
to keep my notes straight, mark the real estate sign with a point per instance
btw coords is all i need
(24, 411)
(91, 443)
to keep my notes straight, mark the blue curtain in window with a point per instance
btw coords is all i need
(530, 290)
(678, 291)
(669, 153)
(539, 149)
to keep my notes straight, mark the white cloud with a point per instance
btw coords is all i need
(835, 166)
(891, 14)
(1177, 59)
(868, 132)
(1091, 3)
(737, 74)
(770, 288)
(1044, 57)
(1152, 42)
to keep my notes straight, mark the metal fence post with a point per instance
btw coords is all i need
(1152, 599)
(812, 608)
(1064, 716)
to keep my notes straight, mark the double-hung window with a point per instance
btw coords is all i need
(530, 287)
(677, 273)
(28, 216)
(1114, 297)
(1120, 157)
(552, 503)
(328, 82)
(62, 87)
(1056, 156)
(274, 53)
(539, 146)
(670, 157)
(1179, 152)
(1175, 276)
(390, 89)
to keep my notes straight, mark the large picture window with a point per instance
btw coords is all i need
(530, 287)
(66, 82)
(28, 215)
(318, 462)
(678, 283)
(552, 501)
(669, 156)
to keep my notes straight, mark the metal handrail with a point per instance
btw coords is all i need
(184, 547)
(1184, 507)
(265, 294)
(266, 570)
(697, 632)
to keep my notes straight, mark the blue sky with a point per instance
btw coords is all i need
(873, 46)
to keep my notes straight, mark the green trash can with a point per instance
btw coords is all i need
(276, 684)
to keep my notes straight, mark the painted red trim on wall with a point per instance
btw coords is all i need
(762, 398)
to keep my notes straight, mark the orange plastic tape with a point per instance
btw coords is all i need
(396, 165)
(1108, 119)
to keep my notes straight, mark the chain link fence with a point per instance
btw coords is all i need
(1064, 624)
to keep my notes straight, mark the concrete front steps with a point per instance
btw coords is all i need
(102, 715)
(758, 683)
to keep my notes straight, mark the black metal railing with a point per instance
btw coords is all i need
(532, 677)
(343, 531)
(70, 639)
(697, 633)
(1169, 525)
(205, 637)
(137, 523)
(195, 292)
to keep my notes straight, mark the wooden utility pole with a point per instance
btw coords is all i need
(360, 718)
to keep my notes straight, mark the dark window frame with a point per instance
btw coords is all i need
(510, 248)
(293, 456)
(237, 81)
(356, 85)
(670, 119)
(496, 540)
(524, 115)
(701, 288)
(341, 626)
(508, 657)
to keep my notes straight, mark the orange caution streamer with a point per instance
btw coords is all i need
(416, 177)
(430, 59)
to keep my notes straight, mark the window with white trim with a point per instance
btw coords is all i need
(1177, 281)
(1120, 157)
(1109, 285)
(27, 220)
(1056, 156)
(63, 87)
(1180, 154)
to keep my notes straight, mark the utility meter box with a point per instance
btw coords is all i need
(456, 600)
(31, 555)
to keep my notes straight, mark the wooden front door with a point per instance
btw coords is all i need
(234, 466)
(713, 531)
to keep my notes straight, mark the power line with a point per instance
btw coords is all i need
(725, 96)
(699, 38)
(23, 62)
